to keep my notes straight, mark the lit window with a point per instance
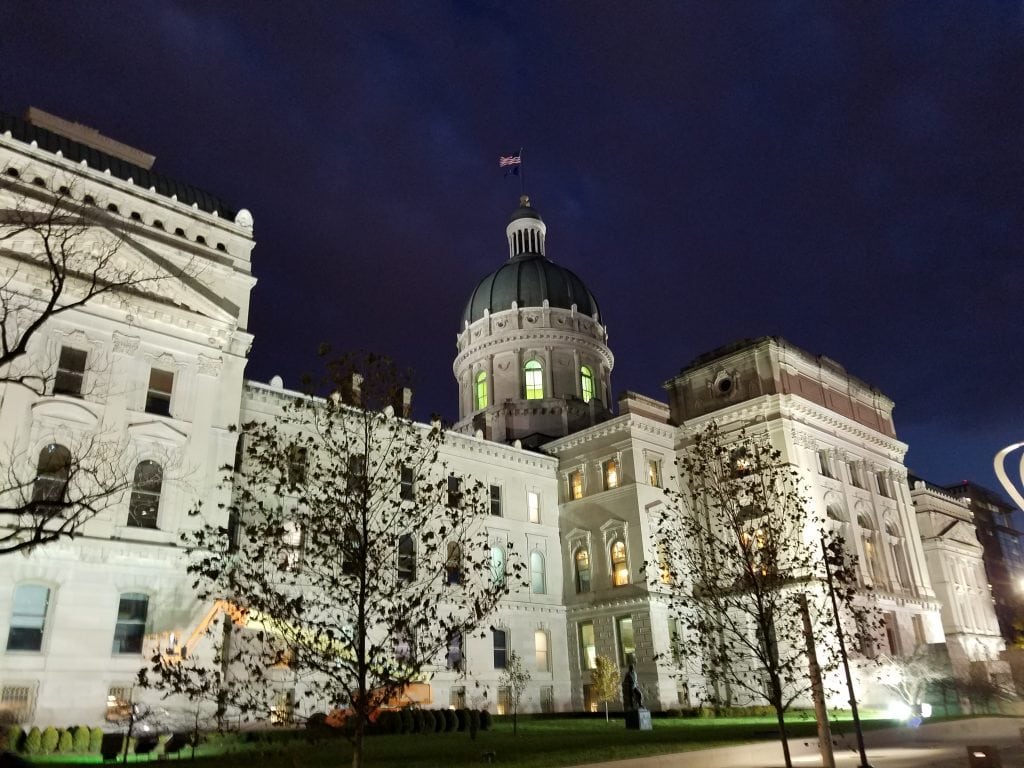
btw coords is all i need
(534, 375)
(582, 559)
(620, 570)
(406, 558)
(144, 505)
(406, 483)
(540, 648)
(158, 397)
(52, 473)
(611, 474)
(453, 564)
(499, 638)
(654, 473)
(576, 485)
(504, 700)
(481, 390)
(899, 554)
(627, 646)
(497, 565)
(70, 372)
(457, 697)
(538, 580)
(28, 617)
(533, 506)
(496, 500)
(131, 623)
(588, 648)
(587, 384)
(867, 532)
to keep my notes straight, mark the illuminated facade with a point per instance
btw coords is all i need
(577, 478)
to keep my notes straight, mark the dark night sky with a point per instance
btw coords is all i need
(848, 175)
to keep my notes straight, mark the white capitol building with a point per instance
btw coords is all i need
(576, 475)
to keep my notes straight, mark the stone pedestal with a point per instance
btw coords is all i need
(638, 719)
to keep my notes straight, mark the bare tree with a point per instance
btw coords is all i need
(738, 544)
(362, 563)
(59, 254)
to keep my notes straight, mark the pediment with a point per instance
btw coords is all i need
(165, 280)
(157, 430)
(65, 410)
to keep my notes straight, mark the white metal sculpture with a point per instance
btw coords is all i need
(1008, 484)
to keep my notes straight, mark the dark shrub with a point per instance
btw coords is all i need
(485, 720)
(81, 740)
(407, 724)
(317, 720)
(66, 742)
(95, 740)
(428, 721)
(418, 723)
(451, 720)
(51, 737)
(389, 722)
(463, 717)
(474, 722)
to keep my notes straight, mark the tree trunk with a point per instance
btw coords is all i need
(515, 720)
(780, 717)
(606, 711)
(357, 743)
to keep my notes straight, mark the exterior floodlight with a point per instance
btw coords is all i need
(999, 464)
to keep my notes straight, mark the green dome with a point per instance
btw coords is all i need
(528, 280)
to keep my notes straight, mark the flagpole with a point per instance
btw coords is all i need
(522, 174)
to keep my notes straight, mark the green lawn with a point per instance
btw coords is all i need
(539, 744)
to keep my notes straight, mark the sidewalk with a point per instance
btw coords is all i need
(933, 745)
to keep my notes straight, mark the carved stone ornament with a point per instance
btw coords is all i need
(501, 323)
(532, 318)
(125, 344)
(210, 366)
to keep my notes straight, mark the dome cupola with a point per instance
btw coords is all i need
(533, 361)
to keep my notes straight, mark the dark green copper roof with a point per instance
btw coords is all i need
(528, 280)
(100, 161)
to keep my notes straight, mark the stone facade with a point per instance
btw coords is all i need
(581, 492)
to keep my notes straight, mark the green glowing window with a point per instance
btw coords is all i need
(481, 390)
(534, 380)
(587, 383)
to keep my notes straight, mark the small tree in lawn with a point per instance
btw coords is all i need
(514, 677)
(912, 676)
(356, 558)
(737, 544)
(605, 681)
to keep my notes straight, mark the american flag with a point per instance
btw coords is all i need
(506, 160)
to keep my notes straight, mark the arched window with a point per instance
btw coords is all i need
(406, 558)
(620, 570)
(131, 623)
(144, 504)
(533, 372)
(538, 580)
(587, 384)
(541, 644)
(52, 473)
(582, 565)
(497, 565)
(867, 537)
(480, 392)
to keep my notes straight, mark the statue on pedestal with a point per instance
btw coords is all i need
(632, 697)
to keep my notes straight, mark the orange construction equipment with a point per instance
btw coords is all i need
(411, 695)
